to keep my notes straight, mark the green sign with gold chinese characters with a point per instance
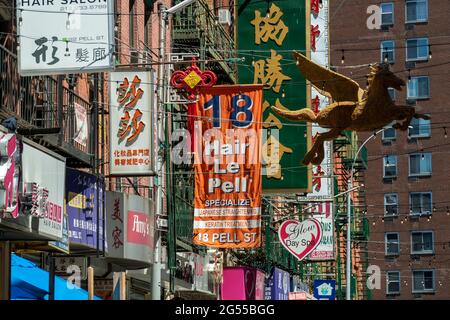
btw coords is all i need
(267, 34)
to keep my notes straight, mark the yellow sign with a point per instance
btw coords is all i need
(77, 200)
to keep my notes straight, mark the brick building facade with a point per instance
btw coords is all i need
(407, 177)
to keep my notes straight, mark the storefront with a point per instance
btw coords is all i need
(35, 176)
(193, 280)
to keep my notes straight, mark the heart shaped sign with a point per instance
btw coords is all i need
(300, 237)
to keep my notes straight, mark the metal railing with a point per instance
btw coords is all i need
(34, 101)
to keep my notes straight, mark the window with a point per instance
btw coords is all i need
(387, 14)
(388, 51)
(393, 282)
(420, 164)
(416, 11)
(419, 88)
(392, 243)
(118, 184)
(421, 128)
(131, 17)
(423, 281)
(392, 93)
(390, 204)
(417, 49)
(420, 202)
(390, 166)
(422, 242)
(147, 27)
(389, 133)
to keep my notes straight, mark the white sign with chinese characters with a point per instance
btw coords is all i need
(323, 212)
(65, 36)
(322, 183)
(131, 123)
(46, 173)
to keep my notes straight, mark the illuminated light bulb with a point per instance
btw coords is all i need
(429, 52)
(343, 57)
(297, 62)
(445, 133)
(283, 94)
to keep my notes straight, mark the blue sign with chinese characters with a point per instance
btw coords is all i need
(325, 289)
(81, 203)
(278, 285)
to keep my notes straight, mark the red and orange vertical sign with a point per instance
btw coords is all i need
(228, 181)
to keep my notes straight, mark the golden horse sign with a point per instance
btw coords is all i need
(353, 108)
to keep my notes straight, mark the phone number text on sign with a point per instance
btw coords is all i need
(228, 167)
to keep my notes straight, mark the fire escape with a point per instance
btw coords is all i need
(196, 29)
(44, 108)
(345, 149)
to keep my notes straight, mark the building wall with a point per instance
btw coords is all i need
(362, 46)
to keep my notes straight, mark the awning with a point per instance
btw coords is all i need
(29, 282)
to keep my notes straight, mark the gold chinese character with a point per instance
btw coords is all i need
(269, 72)
(272, 121)
(272, 152)
(270, 27)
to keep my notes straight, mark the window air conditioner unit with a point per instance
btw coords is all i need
(224, 16)
(134, 57)
(146, 57)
